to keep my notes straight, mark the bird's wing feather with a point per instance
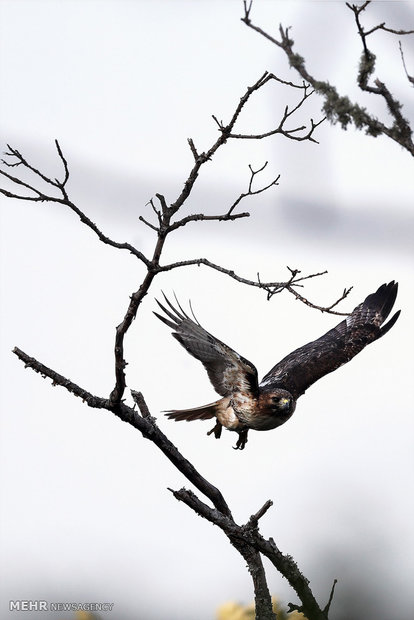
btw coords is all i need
(301, 368)
(228, 371)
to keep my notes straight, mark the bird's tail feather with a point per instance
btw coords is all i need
(383, 301)
(206, 412)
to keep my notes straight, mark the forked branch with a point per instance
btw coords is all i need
(245, 538)
(271, 288)
(42, 188)
(15, 159)
(229, 215)
(339, 108)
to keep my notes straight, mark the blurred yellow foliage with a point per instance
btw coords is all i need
(295, 615)
(235, 611)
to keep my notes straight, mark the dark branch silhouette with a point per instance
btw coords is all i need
(410, 78)
(245, 538)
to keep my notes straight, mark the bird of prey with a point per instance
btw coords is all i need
(246, 403)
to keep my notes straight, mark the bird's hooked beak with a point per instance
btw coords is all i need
(284, 403)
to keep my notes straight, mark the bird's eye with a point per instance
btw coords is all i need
(281, 403)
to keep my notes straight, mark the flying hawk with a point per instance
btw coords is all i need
(246, 403)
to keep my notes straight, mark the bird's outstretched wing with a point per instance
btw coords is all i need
(228, 371)
(298, 370)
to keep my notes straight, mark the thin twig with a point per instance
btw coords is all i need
(140, 401)
(409, 77)
(142, 219)
(21, 161)
(280, 129)
(63, 200)
(254, 519)
(229, 215)
(193, 149)
(328, 604)
(271, 288)
(327, 309)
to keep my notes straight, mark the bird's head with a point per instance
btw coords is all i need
(277, 402)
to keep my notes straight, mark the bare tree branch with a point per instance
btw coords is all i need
(288, 133)
(358, 9)
(271, 288)
(164, 216)
(409, 77)
(328, 309)
(229, 215)
(226, 132)
(21, 161)
(142, 219)
(238, 536)
(249, 534)
(280, 129)
(328, 604)
(254, 519)
(145, 423)
(246, 538)
(163, 229)
(64, 200)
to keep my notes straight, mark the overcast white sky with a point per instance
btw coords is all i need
(87, 515)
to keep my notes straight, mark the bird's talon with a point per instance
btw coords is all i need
(216, 430)
(242, 440)
(272, 402)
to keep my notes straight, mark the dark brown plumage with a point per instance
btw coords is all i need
(246, 404)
